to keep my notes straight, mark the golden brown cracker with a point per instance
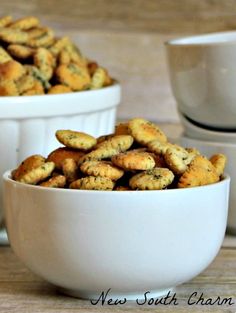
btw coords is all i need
(45, 61)
(4, 56)
(102, 168)
(70, 170)
(154, 179)
(73, 76)
(27, 165)
(197, 176)
(15, 36)
(57, 89)
(20, 51)
(144, 131)
(25, 83)
(11, 70)
(37, 89)
(219, 161)
(38, 174)
(93, 183)
(133, 160)
(25, 23)
(60, 154)
(8, 88)
(58, 181)
(75, 140)
(98, 78)
(5, 20)
(45, 40)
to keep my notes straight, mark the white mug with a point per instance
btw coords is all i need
(203, 78)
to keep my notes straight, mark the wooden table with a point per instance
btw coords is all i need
(22, 291)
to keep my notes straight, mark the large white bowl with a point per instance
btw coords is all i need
(130, 242)
(209, 148)
(203, 77)
(28, 124)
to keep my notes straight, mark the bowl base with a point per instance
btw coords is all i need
(115, 296)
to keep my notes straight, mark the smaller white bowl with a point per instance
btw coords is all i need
(28, 123)
(194, 131)
(131, 242)
(209, 148)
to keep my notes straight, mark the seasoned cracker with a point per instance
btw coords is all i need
(37, 89)
(76, 140)
(36, 32)
(102, 169)
(58, 181)
(38, 174)
(73, 76)
(202, 161)
(11, 70)
(98, 78)
(13, 36)
(5, 20)
(154, 179)
(133, 160)
(45, 61)
(60, 154)
(93, 183)
(58, 45)
(219, 162)
(45, 40)
(99, 154)
(75, 55)
(38, 75)
(4, 56)
(20, 51)
(144, 131)
(159, 147)
(197, 176)
(175, 159)
(25, 23)
(28, 165)
(119, 142)
(25, 83)
(108, 148)
(8, 88)
(64, 57)
(70, 170)
(57, 89)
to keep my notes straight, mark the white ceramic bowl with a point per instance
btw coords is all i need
(209, 148)
(28, 124)
(194, 131)
(203, 77)
(86, 242)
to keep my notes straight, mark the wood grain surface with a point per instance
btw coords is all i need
(21, 291)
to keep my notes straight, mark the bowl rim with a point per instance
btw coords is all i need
(204, 131)
(7, 178)
(195, 40)
(58, 105)
(67, 94)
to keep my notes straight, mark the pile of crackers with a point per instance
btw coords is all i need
(35, 62)
(137, 156)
